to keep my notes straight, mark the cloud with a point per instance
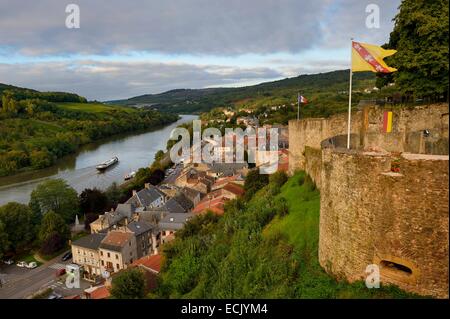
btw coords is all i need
(189, 26)
(133, 47)
(114, 80)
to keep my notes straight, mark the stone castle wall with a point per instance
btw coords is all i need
(406, 136)
(371, 215)
(399, 221)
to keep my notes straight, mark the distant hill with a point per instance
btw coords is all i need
(272, 93)
(37, 128)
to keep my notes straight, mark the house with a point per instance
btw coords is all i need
(151, 265)
(233, 190)
(217, 170)
(183, 201)
(120, 216)
(213, 204)
(117, 250)
(150, 196)
(97, 292)
(145, 237)
(85, 253)
(192, 194)
(222, 181)
(171, 223)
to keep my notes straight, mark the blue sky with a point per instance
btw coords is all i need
(123, 49)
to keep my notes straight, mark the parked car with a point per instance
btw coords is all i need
(22, 264)
(67, 256)
(31, 265)
(60, 272)
(8, 261)
(55, 295)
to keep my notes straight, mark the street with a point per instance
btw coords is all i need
(19, 283)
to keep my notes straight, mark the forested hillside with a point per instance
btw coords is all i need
(325, 90)
(263, 247)
(37, 128)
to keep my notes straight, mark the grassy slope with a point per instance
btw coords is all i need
(301, 228)
(93, 107)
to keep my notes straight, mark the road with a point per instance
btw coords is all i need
(21, 283)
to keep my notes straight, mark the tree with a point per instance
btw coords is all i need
(114, 194)
(4, 242)
(53, 223)
(129, 284)
(93, 201)
(159, 155)
(254, 182)
(17, 222)
(52, 244)
(90, 217)
(57, 196)
(421, 36)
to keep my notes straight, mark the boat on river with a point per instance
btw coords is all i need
(130, 176)
(108, 163)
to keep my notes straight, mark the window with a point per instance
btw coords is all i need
(101, 252)
(117, 256)
(118, 266)
(109, 255)
(129, 244)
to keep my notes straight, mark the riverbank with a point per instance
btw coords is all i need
(133, 150)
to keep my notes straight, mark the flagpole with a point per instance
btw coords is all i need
(298, 106)
(350, 99)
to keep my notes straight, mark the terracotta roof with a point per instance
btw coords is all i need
(116, 239)
(235, 189)
(215, 205)
(100, 293)
(151, 262)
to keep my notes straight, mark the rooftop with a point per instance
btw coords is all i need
(174, 221)
(91, 241)
(152, 263)
(116, 240)
(139, 227)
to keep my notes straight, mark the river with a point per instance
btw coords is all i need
(133, 150)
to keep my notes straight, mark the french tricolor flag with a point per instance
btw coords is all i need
(302, 99)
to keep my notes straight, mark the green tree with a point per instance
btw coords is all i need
(114, 194)
(4, 242)
(53, 223)
(254, 182)
(17, 222)
(129, 284)
(57, 196)
(159, 155)
(421, 36)
(93, 201)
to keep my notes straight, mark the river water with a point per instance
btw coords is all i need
(133, 150)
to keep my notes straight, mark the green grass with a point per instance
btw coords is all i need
(93, 107)
(28, 257)
(301, 229)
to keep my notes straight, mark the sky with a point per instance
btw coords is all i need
(128, 48)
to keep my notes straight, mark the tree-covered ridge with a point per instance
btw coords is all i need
(328, 90)
(37, 128)
(266, 247)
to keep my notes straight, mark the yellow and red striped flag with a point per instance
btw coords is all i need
(369, 57)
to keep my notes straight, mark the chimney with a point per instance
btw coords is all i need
(134, 192)
(147, 185)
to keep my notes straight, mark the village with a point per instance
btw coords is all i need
(134, 233)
